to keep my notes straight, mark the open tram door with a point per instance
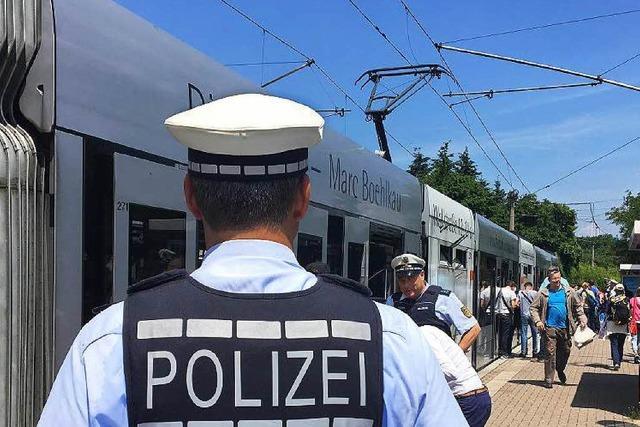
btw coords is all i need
(153, 231)
(356, 247)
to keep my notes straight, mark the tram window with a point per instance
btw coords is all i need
(354, 267)
(446, 254)
(461, 257)
(309, 249)
(335, 243)
(157, 241)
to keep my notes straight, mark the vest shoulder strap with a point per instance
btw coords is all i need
(334, 279)
(437, 290)
(158, 280)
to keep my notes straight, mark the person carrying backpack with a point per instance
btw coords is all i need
(590, 305)
(618, 316)
(634, 325)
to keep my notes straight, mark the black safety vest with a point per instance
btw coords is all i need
(193, 353)
(423, 309)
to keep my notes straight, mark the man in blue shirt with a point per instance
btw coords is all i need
(247, 182)
(553, 314)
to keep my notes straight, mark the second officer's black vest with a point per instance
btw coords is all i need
(423, 309)
(193, 353)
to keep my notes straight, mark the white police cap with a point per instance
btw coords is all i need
(248, 136)
(408, 263)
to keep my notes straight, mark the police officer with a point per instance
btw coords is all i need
(429, 304)
(250, 338)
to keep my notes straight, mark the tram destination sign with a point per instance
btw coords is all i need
(347, 177)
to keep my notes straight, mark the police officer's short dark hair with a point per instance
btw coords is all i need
(243, 205)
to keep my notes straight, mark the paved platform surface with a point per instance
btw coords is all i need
(594, 394)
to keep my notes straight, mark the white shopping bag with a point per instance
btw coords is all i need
(583, 337)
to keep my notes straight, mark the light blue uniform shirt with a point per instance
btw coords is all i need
(90, 387)
(450, 310)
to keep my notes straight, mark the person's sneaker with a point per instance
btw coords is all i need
(504, 356)
(522, 355)
(636, 359)
(548, 385)
(616, 367)
(562, 377)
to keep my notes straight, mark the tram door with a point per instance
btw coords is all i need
(356, 247)
(311, 241)
(153, 230)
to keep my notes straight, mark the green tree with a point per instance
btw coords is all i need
(465, 165)
(624, 216)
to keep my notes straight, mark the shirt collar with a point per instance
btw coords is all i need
(252, 266)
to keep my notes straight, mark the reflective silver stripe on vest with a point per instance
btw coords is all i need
(352, 422)
(209, 328)
(162, 424)
(306, 329)
(258, 329)
(351, 330)
(161, 328)
(210, 424)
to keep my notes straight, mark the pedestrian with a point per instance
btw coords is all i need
(526, 297)
(553, 313)
(589, 304)
(618, 315)
(250, 337)
(634, 325)
(464, 382)
(504, 305)
(515, 326)
(430, 304)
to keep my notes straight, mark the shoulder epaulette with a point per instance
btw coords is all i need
(154, 281)
(346, 283)
(445, 292)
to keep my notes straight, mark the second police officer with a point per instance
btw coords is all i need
(430, 304)
(250, 338)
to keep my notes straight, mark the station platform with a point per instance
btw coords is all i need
(594, 395)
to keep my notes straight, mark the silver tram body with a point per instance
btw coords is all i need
(85, 86)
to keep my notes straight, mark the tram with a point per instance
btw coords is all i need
(84, 93)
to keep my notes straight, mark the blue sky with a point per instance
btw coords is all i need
(544, 134)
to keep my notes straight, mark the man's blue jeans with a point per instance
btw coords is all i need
(525, 323)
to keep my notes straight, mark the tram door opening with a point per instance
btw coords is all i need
(356, 247)
(153, 230)
(485, 302)
(384, 244)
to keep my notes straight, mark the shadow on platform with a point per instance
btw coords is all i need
(609, 392)
(614, 423)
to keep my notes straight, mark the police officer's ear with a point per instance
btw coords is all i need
(301, 201)
(190, 198)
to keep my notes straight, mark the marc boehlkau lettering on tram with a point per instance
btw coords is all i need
(362, 186)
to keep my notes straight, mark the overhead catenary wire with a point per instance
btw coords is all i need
(540, 27)
(599, 78)
(315, 64)
(256, 64)
(573, 172)
(491, 92)
(467, 128)
(626, 61)
(457, 82)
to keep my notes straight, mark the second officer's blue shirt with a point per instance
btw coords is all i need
(90, 387)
